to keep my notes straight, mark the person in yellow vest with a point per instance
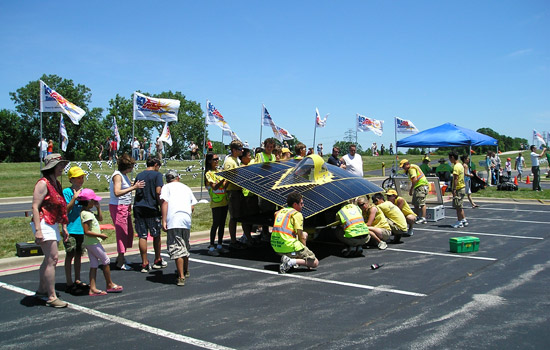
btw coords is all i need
(379, 228)
(235, 198)
(419, 189)
(402, 204)
(353, 232)
(288, 238)
(218, 203)
(458, 186)
(393, 215)
(300, 150)
(266, 156)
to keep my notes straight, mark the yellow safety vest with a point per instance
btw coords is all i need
(352, 220)
(283, 238)
(421, 178)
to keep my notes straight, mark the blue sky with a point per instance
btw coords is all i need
(473, 63)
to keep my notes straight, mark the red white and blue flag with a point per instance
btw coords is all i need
(538, 136)
(63, 134)
(52, 101)
(266, 118)
(155, 109)
(320, 123)
(405, 126)
(117, 134)
(279, 133)
(370, 124)
(214, 117)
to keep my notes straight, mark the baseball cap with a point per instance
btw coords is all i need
(171, 175)
(391, 193)
(508, 158)
(75, 172)
(88, 194)
(402, 162)
(285, 150)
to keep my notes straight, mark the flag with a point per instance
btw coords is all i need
(320, 123)
(64, 136)
(166, 136)
(368, 124)
(266, 118)
(155, 109)
(51, 101)
(281, 134)
(117, 134)
(404, 126)
(538, 136)
(213, 116)
(234, 136)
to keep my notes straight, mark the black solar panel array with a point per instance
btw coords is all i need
(261, 178)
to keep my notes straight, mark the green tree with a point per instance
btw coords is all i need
(11, 136)
(27, 105)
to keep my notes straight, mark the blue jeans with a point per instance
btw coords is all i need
(135, 153)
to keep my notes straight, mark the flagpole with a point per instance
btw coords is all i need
(261, 123)
(314, 131)
(356, 129)
(40, 148)
(395, 141)
(60, 137)
(203, 141)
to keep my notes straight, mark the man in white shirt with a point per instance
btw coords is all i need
(353, 162)
(135, 149)
(43, 146)
(535, 167)
(178, 203)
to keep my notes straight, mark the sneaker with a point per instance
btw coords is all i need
(347, 251)
(421, 220)
(180, 282)
(382, 245)
(464, 222)
(57, 303)
(213, 252)
(145, 268)
(126, 267)
(409, 233)
(187, 274)
(285, 264)
(458, 225)
(161, 264)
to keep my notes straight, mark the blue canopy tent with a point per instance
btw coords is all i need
(447, 135)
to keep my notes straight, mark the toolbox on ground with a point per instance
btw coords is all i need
(435, 213)
(464, 244)
(28, 249)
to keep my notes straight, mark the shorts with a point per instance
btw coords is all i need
(305, 254)
(236, 203)
(97, 255)
(147, 220)
(458, 199)
(351, 241)
(49, 232)
(385, 233)
(395, 230)
(177, 240)
(520, 171)
(74, 243)
(419, 196)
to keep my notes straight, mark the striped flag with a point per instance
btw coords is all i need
(52, 101)
(63, 133)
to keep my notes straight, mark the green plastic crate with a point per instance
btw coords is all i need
(464, 244)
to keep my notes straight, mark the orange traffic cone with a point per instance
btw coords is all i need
(515, 180)
(527, 181)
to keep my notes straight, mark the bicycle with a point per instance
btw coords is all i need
(390, 182)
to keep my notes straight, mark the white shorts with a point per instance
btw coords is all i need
(49, 232)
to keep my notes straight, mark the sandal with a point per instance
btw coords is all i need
(115, 289)
(98, 293)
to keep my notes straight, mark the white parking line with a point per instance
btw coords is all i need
(477, 233)
(510, 220)
(503, 209)
(129, 323)
(314, 279)
(442, 254)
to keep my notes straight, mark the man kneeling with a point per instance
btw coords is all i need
(288, 238)
(353, 232)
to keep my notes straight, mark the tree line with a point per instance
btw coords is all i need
(20, 129)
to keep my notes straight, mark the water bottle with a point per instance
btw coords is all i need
(375, 266)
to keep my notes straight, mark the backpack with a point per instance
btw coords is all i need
(507, 186)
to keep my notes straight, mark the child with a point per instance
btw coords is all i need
(92, 240)
(73, 246)
(509, 167)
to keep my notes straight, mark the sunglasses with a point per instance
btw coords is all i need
(215, 159)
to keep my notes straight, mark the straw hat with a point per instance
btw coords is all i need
(51, 160)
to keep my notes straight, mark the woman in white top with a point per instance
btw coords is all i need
(120, 207)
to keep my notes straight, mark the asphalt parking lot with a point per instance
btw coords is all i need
(423, 297)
